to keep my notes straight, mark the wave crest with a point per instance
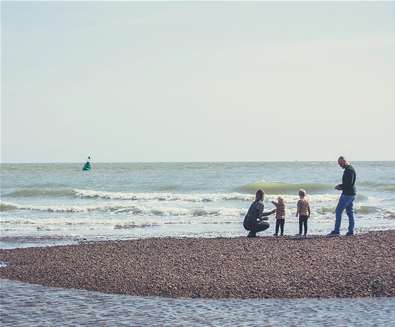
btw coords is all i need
(156, 196)
(4, 206)
(131, 209)
(361, 210)
(278, 187)
(386, 187)
(36, 192)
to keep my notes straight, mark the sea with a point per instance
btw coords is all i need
(29, 305)
(52, 204)
(55, 204)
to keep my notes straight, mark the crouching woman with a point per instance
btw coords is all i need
(253, 220)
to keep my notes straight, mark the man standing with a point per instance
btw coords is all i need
(346, 198)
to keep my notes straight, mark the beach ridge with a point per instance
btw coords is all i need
(265, 267)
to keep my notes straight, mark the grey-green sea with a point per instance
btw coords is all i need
(48, 204)
(54, 204)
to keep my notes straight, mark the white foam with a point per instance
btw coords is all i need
(159, 196)
(149, 209)
(193, 197)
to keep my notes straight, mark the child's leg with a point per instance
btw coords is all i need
(277, 225)
(300, 224)
(305, 225)
(282, 226)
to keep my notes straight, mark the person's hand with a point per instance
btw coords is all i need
(338, 187)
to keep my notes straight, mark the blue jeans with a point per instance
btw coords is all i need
(345, 202)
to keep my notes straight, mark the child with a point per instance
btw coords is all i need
(280, 215)
(303, 211)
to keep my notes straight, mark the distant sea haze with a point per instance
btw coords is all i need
(59, 203)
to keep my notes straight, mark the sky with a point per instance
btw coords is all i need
(197, 81)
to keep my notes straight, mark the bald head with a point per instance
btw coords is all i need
(342, 162)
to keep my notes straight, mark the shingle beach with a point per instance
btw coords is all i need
(264, 267)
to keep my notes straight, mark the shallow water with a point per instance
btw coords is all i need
(34, 305)
(47, 204)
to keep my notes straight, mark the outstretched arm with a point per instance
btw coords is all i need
(268, 213)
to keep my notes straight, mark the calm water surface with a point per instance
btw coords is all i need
(34, 305)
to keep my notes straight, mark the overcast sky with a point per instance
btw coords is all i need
(197, 81)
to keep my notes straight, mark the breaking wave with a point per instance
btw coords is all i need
(132, 209)
(246, 194)
(361, 210)
(378, 186)
(365, 210)
(37, 192)
(277, 187)
(159, 196)
(7, 206)
(197, 197)
(52, 224)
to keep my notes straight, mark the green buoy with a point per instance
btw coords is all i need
(87, 165)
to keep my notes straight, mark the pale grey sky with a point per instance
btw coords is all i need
(174, 81)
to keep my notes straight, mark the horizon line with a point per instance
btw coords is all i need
(177, 162)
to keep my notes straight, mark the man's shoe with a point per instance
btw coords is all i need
(349, 234)
(333, 234)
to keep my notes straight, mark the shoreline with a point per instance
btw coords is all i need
(265, 267)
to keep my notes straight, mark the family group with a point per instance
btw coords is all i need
(254, 220)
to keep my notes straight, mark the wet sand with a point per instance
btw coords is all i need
(265, 267)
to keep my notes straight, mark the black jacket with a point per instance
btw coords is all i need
(348, 181)
(255, 213)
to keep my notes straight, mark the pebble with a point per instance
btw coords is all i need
(264, 267)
